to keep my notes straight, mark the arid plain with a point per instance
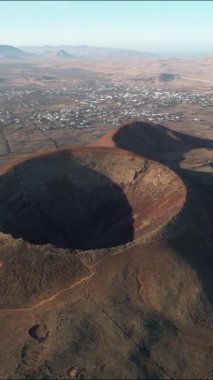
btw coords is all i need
(106, 218)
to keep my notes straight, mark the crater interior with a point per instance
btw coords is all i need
(87, 198)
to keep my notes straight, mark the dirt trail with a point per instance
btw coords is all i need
(49, 299)
(198, 79)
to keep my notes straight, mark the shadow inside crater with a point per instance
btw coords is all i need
(64, 202)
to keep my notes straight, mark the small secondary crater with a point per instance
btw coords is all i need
(39, 332)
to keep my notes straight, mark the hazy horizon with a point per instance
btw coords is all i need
(159, 27)
(160, 53)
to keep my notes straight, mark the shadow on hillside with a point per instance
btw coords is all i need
(65, 203)
(157, 142)
(168, 147)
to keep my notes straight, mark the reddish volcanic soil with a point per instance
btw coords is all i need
(153, 141)
(79, 199)
(87, 198)
(105, 259)
(177, 150)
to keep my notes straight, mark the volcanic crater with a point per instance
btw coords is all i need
(136, 310)
(87, 198)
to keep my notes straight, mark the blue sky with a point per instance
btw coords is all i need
(142, 25)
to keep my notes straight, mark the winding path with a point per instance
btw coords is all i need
(198, 79)
(49, 299)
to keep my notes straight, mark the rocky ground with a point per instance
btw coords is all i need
(135, 301)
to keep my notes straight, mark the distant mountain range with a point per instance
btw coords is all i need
(66, 51)
(63, 54)
(8, 51)
(77, 51)
(85, 50)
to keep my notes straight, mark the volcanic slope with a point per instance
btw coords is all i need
(154, 141)
(60, 203)
(173, 148)
(12, 52)
(141, 305)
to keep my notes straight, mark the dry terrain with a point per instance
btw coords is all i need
(106, 230)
